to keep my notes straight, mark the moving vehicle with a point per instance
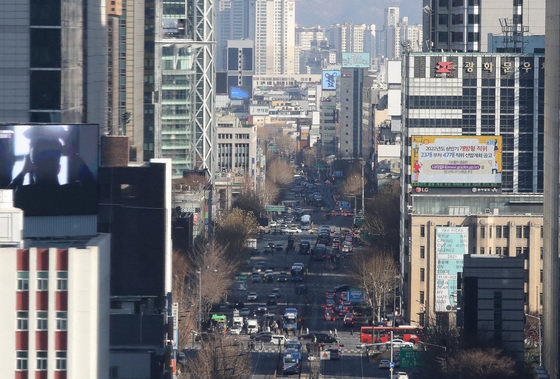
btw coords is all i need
(401, 375)
(348, 319)
(252, 296)
(398, 343)
(262, 336)
(237, 325)
(290, 319)
(252, 327)
(244, 312)
(304, 247)
(347, 247)
(278, 339)
(291, 362)
(305, 222)
(317, 337)
(384, 363)
(382, 334)
(292, 344)
(319, 253)
(282, 277)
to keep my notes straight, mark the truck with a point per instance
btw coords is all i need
(252, 326)
(290, 320)
(305, 222)
(236, 325)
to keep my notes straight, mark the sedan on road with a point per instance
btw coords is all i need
(252, 296)
(398, 343)
(262, 337)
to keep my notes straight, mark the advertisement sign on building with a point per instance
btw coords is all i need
(452, 243)
(355, 60)
(51, 168)
(330, 79)
(258, 110)
(456, 161)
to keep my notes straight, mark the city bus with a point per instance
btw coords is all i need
(382, 334)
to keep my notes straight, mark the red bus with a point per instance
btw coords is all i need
(377, 334)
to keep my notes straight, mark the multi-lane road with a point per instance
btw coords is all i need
(320, 278)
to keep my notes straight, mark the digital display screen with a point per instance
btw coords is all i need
(51, 168)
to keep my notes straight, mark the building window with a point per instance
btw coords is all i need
(542, 231)
(542, 252)
(498, 231)
(482, 232)
(42, 320)
(21, 360)
(41, 360)
(23, 280)
(506, 250)
(506, 231)
(499, 250)
(489, 232)
(482, 251)
(62, 281)
(42, 281)
(61, 320)
(422, 251)
(61, 360)
(542, 276)
(422, 231)
(421, 297)
(422, 275)
(22, 319)
(421, 319)
(517, 251)
(525, 232)
(519, 232)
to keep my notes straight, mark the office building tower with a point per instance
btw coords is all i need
(354, 134)
(240, 69)
(235, 20)
(184, 94)
(464, 25)
(411, 36)
(328, 124)
(480, 106)
(275, 37)
(551, 285)
(370, 41)
(391, 30)
(53, 62)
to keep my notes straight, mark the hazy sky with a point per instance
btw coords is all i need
(327, 12)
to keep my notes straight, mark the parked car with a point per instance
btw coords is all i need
(384, 363)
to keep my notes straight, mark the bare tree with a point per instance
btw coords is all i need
(249, 201)
(382, 220)
(270, 193)
(279, 172)
(286, 144)
(233, 231)
(352, 184)
(211, 276)
(480, 363)
(309, 157)
(221, 357)
(184, 297)
(376, 272)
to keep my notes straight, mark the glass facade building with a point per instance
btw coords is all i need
(184, 93)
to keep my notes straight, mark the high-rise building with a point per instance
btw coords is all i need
(53, 62)
(328, 124)
(391, 33)
(275, 37)
(551, 285)
(464, 25)
(355, 130)
(475, 96)
(347, 37)
(240, 69)
(184, 93)
(235, 20)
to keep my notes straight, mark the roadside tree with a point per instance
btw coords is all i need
(249, 201)
(279, 172)
(232, 233)
(376, 272)
(221, 357)
(382, 220)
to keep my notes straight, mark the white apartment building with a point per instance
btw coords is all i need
(275, 37)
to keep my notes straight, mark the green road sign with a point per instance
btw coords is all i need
(275, 208)
(410, 358)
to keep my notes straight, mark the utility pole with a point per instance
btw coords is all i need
(391, 368)
(363, 190)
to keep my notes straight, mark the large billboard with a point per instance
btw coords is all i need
(355, 60)
(452, 243)
(51, 168)
(330, 79)
(456, 161)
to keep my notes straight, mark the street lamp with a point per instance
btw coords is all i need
(540, 342)
(199, 323)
